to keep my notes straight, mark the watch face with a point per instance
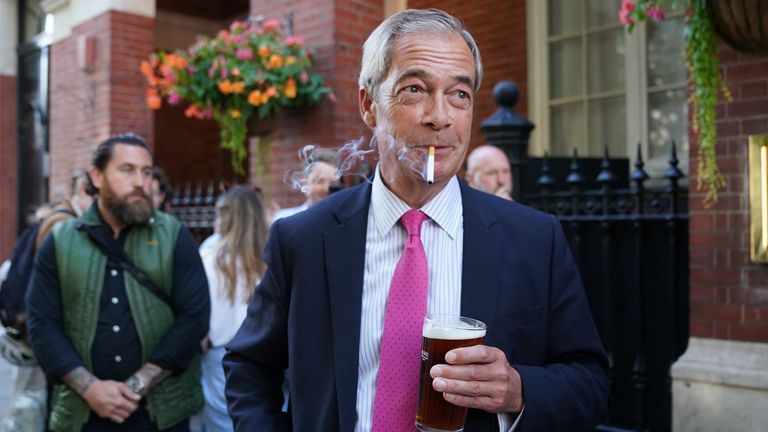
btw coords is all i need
(135, 383)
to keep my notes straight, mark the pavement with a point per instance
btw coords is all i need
(6, 371)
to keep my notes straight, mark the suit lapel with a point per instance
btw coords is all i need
(479, 275)
(345, 262)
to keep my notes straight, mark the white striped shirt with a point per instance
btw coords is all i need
(443, 238)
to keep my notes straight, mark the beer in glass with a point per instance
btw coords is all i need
(442, 333)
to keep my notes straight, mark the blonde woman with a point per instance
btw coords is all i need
(233, 266)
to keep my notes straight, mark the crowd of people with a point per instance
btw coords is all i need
(289, 323)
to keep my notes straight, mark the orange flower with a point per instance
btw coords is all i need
(227, 87)
(275, 61)
(263, 51)
(234, 113)
(146, 69)
(254, 98)
(264, 98)
(238, 87)
(192, 112)
(290, 88)
(154, 102)
(290, 60)
(236, 72)
(271, 91)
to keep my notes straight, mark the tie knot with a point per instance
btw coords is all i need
(412, 220)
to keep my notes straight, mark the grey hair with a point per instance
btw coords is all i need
(377, 50)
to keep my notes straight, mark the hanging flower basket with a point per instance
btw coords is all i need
(743, 24)
(241, 79)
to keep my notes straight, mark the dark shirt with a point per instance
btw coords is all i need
(116, 349)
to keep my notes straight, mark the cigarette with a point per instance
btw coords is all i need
(431, 165)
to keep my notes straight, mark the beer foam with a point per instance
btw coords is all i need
(452, 333)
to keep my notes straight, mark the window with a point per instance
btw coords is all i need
(593, 85)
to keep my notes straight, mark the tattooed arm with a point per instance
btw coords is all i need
(142, 381)
(109, 399)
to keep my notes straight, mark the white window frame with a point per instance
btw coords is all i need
(636, 88)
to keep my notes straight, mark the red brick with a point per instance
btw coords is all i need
(703, 329)
(747, 108)
(754, 89)
(746, 72)
(755, 127)
(8, 178)
(749, 333)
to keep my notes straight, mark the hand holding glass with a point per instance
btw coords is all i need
(442, 333)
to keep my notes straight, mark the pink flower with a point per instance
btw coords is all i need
(625, 13)
(244, 53)
(332, 97)
(223, 35)
(207, 114)
(224, 73)
(271, 24)
(304, 76)
(294, 40)
(236, 25)
(174, 98)
(654, 13)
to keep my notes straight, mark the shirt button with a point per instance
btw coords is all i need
(115, 300)
(115, 328)
(118, 359)
(113, 272)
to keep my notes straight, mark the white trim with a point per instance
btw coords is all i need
(9, 29)
(538, 76)
(70, 13)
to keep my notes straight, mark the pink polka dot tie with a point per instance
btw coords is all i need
(397, 385)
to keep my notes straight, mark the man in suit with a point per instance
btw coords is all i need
(323, 309)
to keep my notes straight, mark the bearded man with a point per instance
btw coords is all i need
(121, 357)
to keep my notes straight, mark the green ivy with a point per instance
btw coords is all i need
(704, 71)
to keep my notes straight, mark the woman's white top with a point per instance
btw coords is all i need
(226, 316)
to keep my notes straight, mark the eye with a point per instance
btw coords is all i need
(412, 89)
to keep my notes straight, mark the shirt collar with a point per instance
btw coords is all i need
(445, 209)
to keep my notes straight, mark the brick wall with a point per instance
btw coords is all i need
(87, 107)
(499, 28)
(7, 165)
(729, 294)
(337, 30)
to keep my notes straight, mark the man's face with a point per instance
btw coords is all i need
(319, 180)
(492, 174)
(125, 185)
(425, 100)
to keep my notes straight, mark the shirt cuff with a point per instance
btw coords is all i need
(505, 419)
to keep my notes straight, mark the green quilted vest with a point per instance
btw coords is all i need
(81, 267)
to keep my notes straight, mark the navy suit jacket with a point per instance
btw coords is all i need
(518, 277)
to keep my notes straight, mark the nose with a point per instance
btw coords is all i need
(437, 113)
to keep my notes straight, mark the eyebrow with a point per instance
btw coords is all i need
(422, 74)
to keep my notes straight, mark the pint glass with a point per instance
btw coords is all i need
(442, 333)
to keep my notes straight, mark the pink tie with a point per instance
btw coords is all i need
(397, 385)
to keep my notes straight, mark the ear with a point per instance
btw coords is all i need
(367, 108)
(97, 177)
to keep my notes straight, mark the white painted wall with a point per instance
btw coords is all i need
(70, 13)
(9, 14)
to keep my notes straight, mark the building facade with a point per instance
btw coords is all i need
(583, 81)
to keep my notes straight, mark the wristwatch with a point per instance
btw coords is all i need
(136, 384)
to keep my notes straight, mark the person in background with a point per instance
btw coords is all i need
(233, 266)
(324, 306)
(162, 192)
(122, 356)
(488, 170)
(74, 206)
(321, 174)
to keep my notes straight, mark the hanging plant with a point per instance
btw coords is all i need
(704, 74)
(250, 70)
